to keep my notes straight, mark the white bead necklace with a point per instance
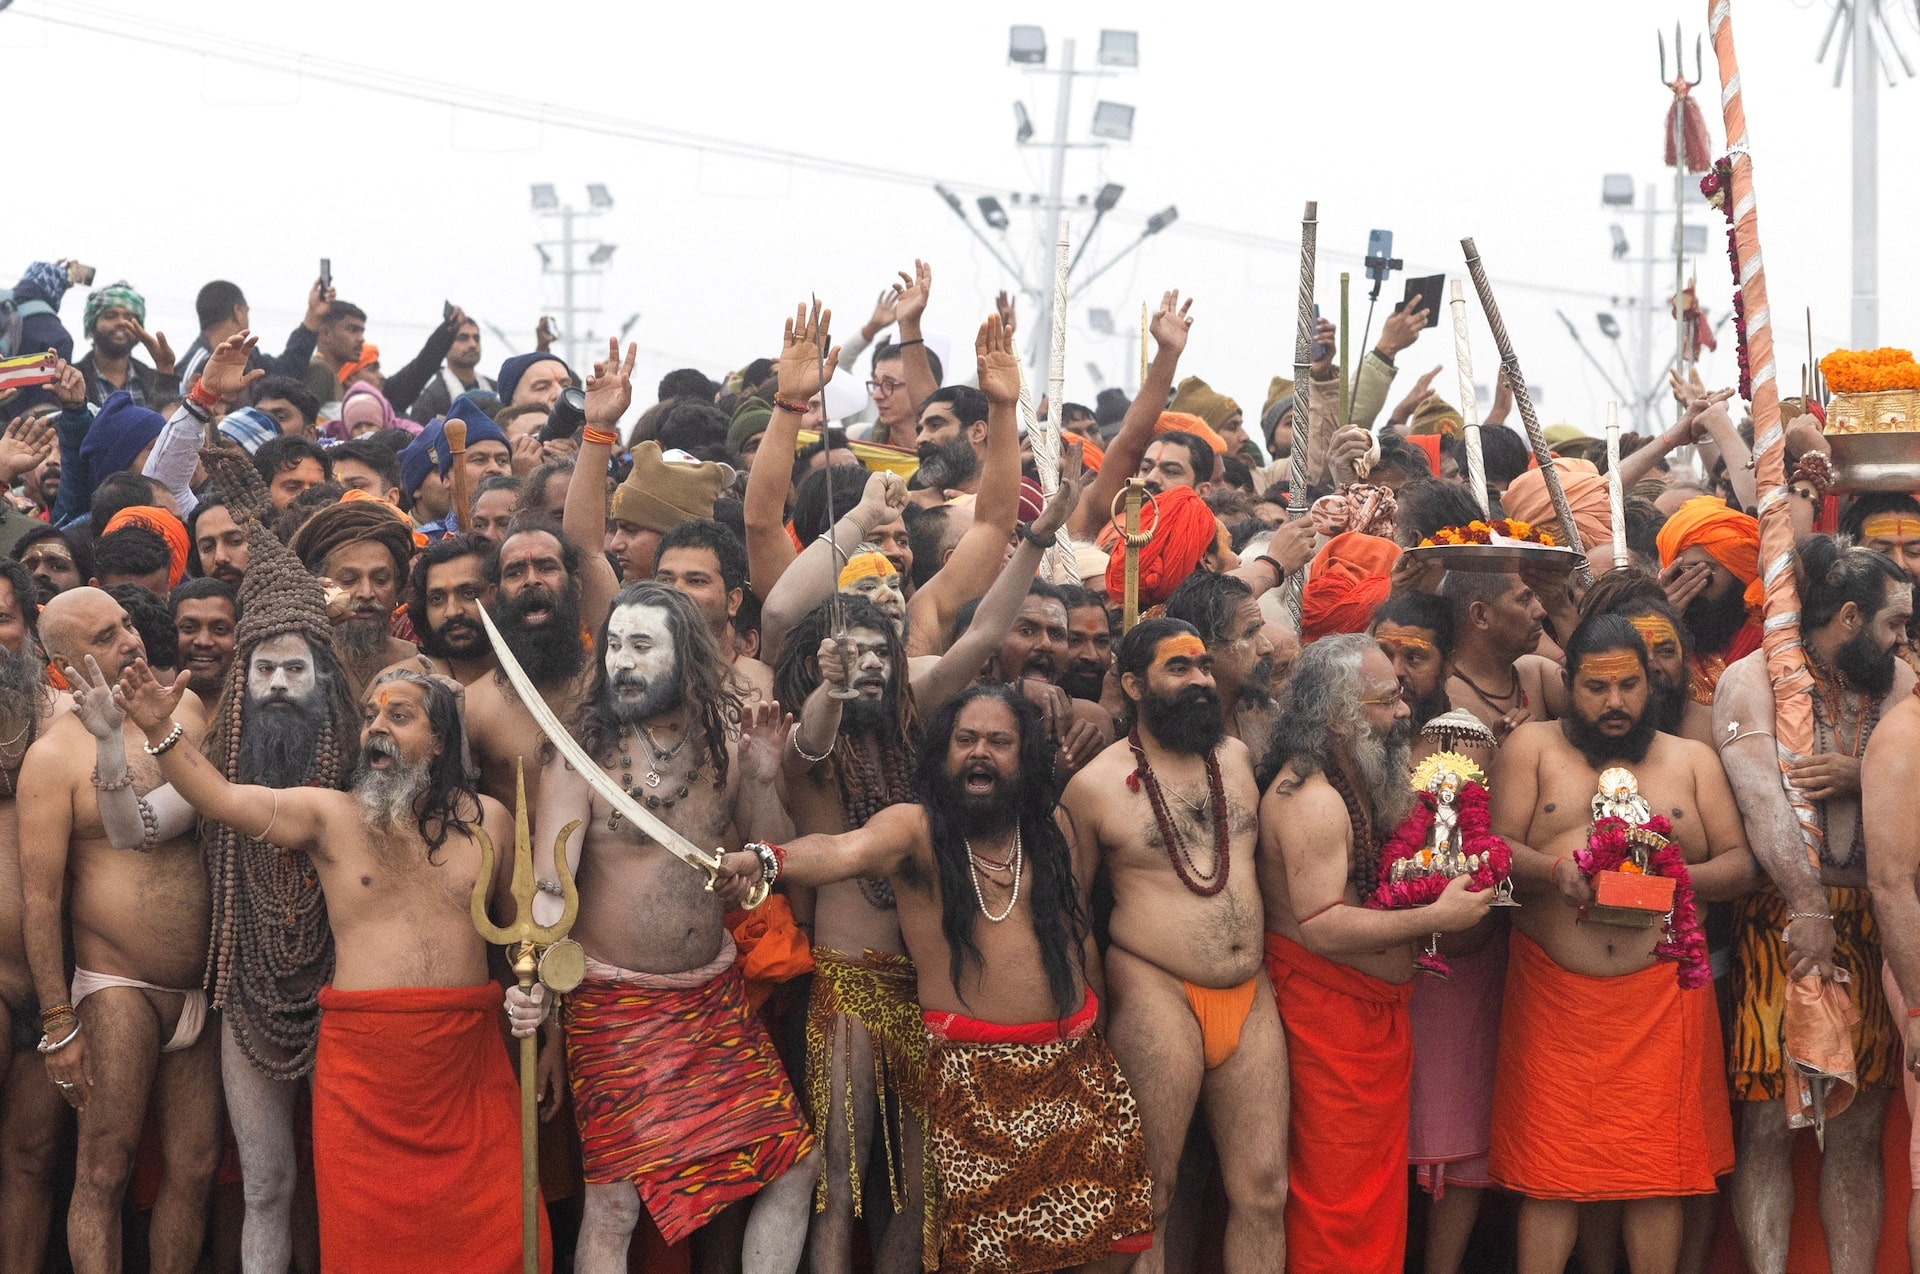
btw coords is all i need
(974, 872)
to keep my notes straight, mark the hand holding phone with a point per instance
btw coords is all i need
(326, 273)
(1426, 291)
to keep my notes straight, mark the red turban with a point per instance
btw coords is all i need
(1526, 499)
(1348, 581)
(162, 524)
(1429, 445)
(1183, 528)
(1185, 422)
(1732, 538)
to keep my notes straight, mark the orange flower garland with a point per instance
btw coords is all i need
(1855, 371)
(1479, 532)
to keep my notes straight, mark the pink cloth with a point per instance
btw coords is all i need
(1456, 1045)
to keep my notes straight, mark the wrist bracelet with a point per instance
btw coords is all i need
(124, 781)
(1041, 542)
(149, 826)
(1810, 915)
(790, 407)
(47, 1043)
(793, 741)
(605, 437)
(903, 344)
(1279, 571)
(1913, 1012)
(47, 1015)
(194, 409)
(772, 859)
(166, 745)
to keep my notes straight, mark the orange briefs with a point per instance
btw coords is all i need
(1221, 1013)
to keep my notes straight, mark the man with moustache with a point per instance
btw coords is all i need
(54, 561)
(1638, 597)
(362, 547)
(204, 613)
(451, 579)
(1342, 973)
(1587, 998)
(662, 1008)
(1089, 643)
(412, 1095)
(1497, 624)
(1710, 566)
(1855, 605)
(1032, 652)
(1168, 809)
(1223, 610)
(114, 319)
(1415, 632)
(1035, 1138)
(219, 545)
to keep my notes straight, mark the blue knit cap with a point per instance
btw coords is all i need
(480, 426)
(514, 368)
(250, 427)
(430, 449)
(116, 436)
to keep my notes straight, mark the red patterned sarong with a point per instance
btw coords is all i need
(676, 1088)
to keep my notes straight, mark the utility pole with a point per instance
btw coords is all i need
(1641, 403)
(1865, 331)
(1056, 195)
(546, 203)
(567, 311)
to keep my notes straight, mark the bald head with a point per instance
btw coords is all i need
(87, 621)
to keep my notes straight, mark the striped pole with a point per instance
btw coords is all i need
(1302, 370)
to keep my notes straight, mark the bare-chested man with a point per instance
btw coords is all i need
(131, 1023)
(1637, 595)
(662, 1012)
(1587, 999)
(1224, 611)
(1855, 605)
(1170, 808)
(1497, 625)
(412, 1096)
(1037, 1143)
(1343, 973)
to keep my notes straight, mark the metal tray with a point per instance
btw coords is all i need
(1506, 555)
(1876, 462)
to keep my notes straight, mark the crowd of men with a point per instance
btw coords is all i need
(1031, 942)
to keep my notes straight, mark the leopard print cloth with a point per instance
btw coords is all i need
(879, 991)
(1040, 1161)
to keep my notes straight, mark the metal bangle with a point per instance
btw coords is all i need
(1810, 915)
(46, 1046)
(793, 741)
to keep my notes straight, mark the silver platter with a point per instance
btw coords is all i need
(1508, 555)
(1876, 462)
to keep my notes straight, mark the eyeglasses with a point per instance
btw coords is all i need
(885, 388)
(1393, 700)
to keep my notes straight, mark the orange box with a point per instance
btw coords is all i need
(1630, 900)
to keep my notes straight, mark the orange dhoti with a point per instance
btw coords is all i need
(1350, 1059)
(415, 1103)
(1607, 1088)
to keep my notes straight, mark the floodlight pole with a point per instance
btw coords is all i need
(566, 273)
(1056, 194)
(1865, 329)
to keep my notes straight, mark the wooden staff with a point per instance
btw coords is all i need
(1346, 400)
(1132, 540)
(1469, 404)
(540, 953)
(1616, 491)
(1143, 342)
(461, 514)
(1302, 370)
(1517, 382)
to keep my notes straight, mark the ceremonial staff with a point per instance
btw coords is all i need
(1469, 406)
(540, 953)
(1132, 540)
(461, 515)
(1517, 383)
(1058, 562)
(1616, 491)
(1302, 370)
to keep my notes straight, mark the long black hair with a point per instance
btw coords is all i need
(451, 791)
(1059, 921)
(798, 674)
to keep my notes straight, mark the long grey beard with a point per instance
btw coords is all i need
(359, 641)
(388, 797)
(1382, 766)
(23, 698)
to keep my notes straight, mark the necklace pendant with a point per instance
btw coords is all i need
(653, 779)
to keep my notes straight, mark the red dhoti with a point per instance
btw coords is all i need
(416, 1133)
(1350, 1059)
(676, 1088)
(1607, 1088)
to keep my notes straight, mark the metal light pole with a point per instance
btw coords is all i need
(1056, 190)
(546, 202)
(1865, 330)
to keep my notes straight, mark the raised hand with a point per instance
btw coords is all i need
(1065, 499)
(1403, 327)
(1171, 324)
(545, 334)
(1415, 396)
(147, 699)
(25, 446)
(155, 343)
(319, 297)
(95, 700)
(763, 733)
(226, 376)
(999, 367)
(913, 294)
(1502, 400)
(884, 311)
(69, 386)
(1685, 581)
(1327, 338)
(835, 661)
(610, 388)
(1003, 305)
(799, 371)
(881, 502)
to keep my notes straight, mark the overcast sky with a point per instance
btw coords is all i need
(1490, 118)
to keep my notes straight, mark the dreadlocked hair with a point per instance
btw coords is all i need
(707, 690)
(865, 789)
(451, 789)
(1060, 924)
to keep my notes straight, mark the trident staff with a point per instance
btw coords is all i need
(1302, 369)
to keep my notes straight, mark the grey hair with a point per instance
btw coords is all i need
(1320, 707)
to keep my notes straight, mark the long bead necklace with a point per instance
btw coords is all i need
(647, 790)
(973, 871)
(1204, 885)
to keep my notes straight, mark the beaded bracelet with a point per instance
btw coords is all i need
(166, 745)
(605, 437)
(773, 859)
(790, 407)
(124, 781)
(149, 827)
(1814, 469)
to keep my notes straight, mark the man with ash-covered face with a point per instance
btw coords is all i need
(663, 1006)
(1572, 980)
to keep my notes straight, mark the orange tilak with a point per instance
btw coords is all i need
(1179, 646)
(1391, 636)
(1610, 665)
(1654, 630)
(1890, 526)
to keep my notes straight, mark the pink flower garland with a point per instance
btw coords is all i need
(1409, 840)
(1717, 186)
(1682, 942)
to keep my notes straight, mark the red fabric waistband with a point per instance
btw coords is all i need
(412, 999)
(957, 1029)
(1331, 974)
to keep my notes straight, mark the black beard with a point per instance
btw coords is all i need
(472, 642)
(1189, 721)
(1437, 704)
(44, 589)
(653, 700)
(868, 716)
(551, 653)
(1667, 705)
(947, 464)
(1083, 679)
(1257, 690)
(1866, 667)
(1599, 749)
(977, 814)
(278, 738)
(1713, 621)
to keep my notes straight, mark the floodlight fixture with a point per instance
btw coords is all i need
(1616, 190)
(1027, 46)
(992, 213)
(1101, 321)
(1113, 120)
(598, 198)
(1120, 48)
(1161, 220)
(545, 197)
(1023, 124)
(602, 254)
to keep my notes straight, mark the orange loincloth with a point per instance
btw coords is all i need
(1350, 1059)
(416, 1133)
(1221, 1012)
(1607, 1088)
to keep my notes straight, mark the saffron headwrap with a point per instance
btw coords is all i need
(1733, 538)
(162, 524)
(1185, 422)
(1349, 580)
(118, 293)
(1526, 499)
(1183, 529)
(861, 565)
(369, 357)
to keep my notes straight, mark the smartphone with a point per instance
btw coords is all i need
(1427, 291)
(29, 370)
(446, 310)
(1319, 347)
(1379, 254)
(79, 276)
(326, 273)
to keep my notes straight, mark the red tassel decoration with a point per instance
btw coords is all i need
(1693, 129)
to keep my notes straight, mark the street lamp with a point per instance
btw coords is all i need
(1027, 46)
(1113, 120)
(1101, 321)
(1023, 130)
(1161, 220)
(1620, 245)
(992, 213)
(602, 254)
(1120, 48)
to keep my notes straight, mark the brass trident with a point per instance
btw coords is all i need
(542, 952)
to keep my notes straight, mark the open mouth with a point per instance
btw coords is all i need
(980, 781)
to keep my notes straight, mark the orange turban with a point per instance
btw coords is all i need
(1091, 452)
(369, 357)
(162, 524)
(1349, 580)
(1183, 528)
(1179, 420)
(1733, 538)
(1429, 444)
(1526, 498)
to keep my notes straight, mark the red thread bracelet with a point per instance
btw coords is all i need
(606, 437)
(202, 396)
(791, 408)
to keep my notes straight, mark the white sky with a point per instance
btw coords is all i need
(1494, 118)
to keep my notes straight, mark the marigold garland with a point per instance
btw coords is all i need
(1682, 942)
(1481, 532)
(1409, 842)
(1866, 371)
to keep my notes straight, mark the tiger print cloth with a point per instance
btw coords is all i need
(1757, 1069)
(1040, 1162)
(676, 1088)
(879, 991)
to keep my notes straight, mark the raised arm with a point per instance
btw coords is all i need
(1129, 446)
(908, 307)
(96, 707)
(878, 849)
(982, 549)
(813, 576)
(609, 393)
(403, 386)
(758, 813)
(770, 550)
